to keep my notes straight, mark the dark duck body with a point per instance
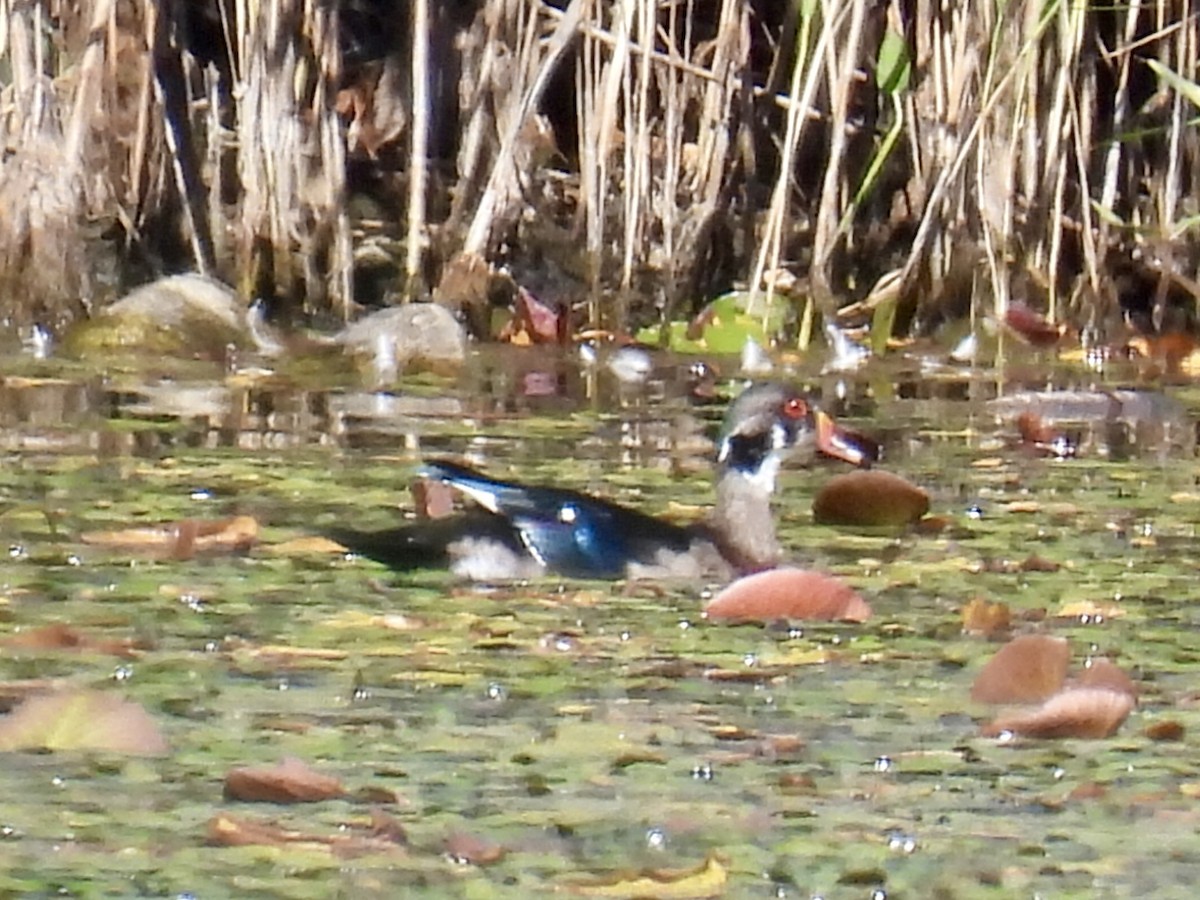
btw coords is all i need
(523, 530)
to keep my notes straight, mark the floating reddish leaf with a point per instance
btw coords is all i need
(291, 781)
(986, 619)
(82, 720)
(60, 636)
(1027, 669)
(870, 498)
(1080, 712)
(1033, 327)
(182, 540)
(788, 594)
(433, 499)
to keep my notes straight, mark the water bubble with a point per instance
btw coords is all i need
(192, 602)
(901, 843)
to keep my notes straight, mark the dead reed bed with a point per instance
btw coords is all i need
(632, 159)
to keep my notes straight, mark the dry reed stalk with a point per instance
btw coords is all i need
(805, 82)
(418, 156)
(291, 172)
(496, 205)
(841, 64)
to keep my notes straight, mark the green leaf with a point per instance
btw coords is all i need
(893, 68)
(1189, 89)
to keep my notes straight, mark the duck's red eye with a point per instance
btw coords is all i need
(795, 408)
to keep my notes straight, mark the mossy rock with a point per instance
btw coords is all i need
(188, 316)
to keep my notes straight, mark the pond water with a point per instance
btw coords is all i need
(588, 738)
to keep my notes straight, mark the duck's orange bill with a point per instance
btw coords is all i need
(833, 440)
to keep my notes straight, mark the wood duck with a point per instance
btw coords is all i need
(522, 531)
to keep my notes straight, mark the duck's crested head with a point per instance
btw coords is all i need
(765, 423)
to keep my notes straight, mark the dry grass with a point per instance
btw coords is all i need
(704, 143)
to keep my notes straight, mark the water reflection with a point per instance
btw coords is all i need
(661, 420)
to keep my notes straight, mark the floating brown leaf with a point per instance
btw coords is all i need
(1027, 669)
(291, 781)
(1165, 730)
(870, 498)
(82, 720)
(182, 540)
(706, 880)
(986, 619)
(1081, 712)
(788, 594)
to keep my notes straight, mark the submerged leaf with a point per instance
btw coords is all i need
(241, 831)
(61, 636)
(82, 720)
(706, 880)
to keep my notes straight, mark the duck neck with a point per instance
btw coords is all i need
(742, 523)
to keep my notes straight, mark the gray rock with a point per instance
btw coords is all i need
(412, 337)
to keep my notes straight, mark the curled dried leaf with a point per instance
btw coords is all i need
(1100, 673)
(986, 619)
(788, 594)
(82, 720)
(1081, 712)
(1027, 669)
